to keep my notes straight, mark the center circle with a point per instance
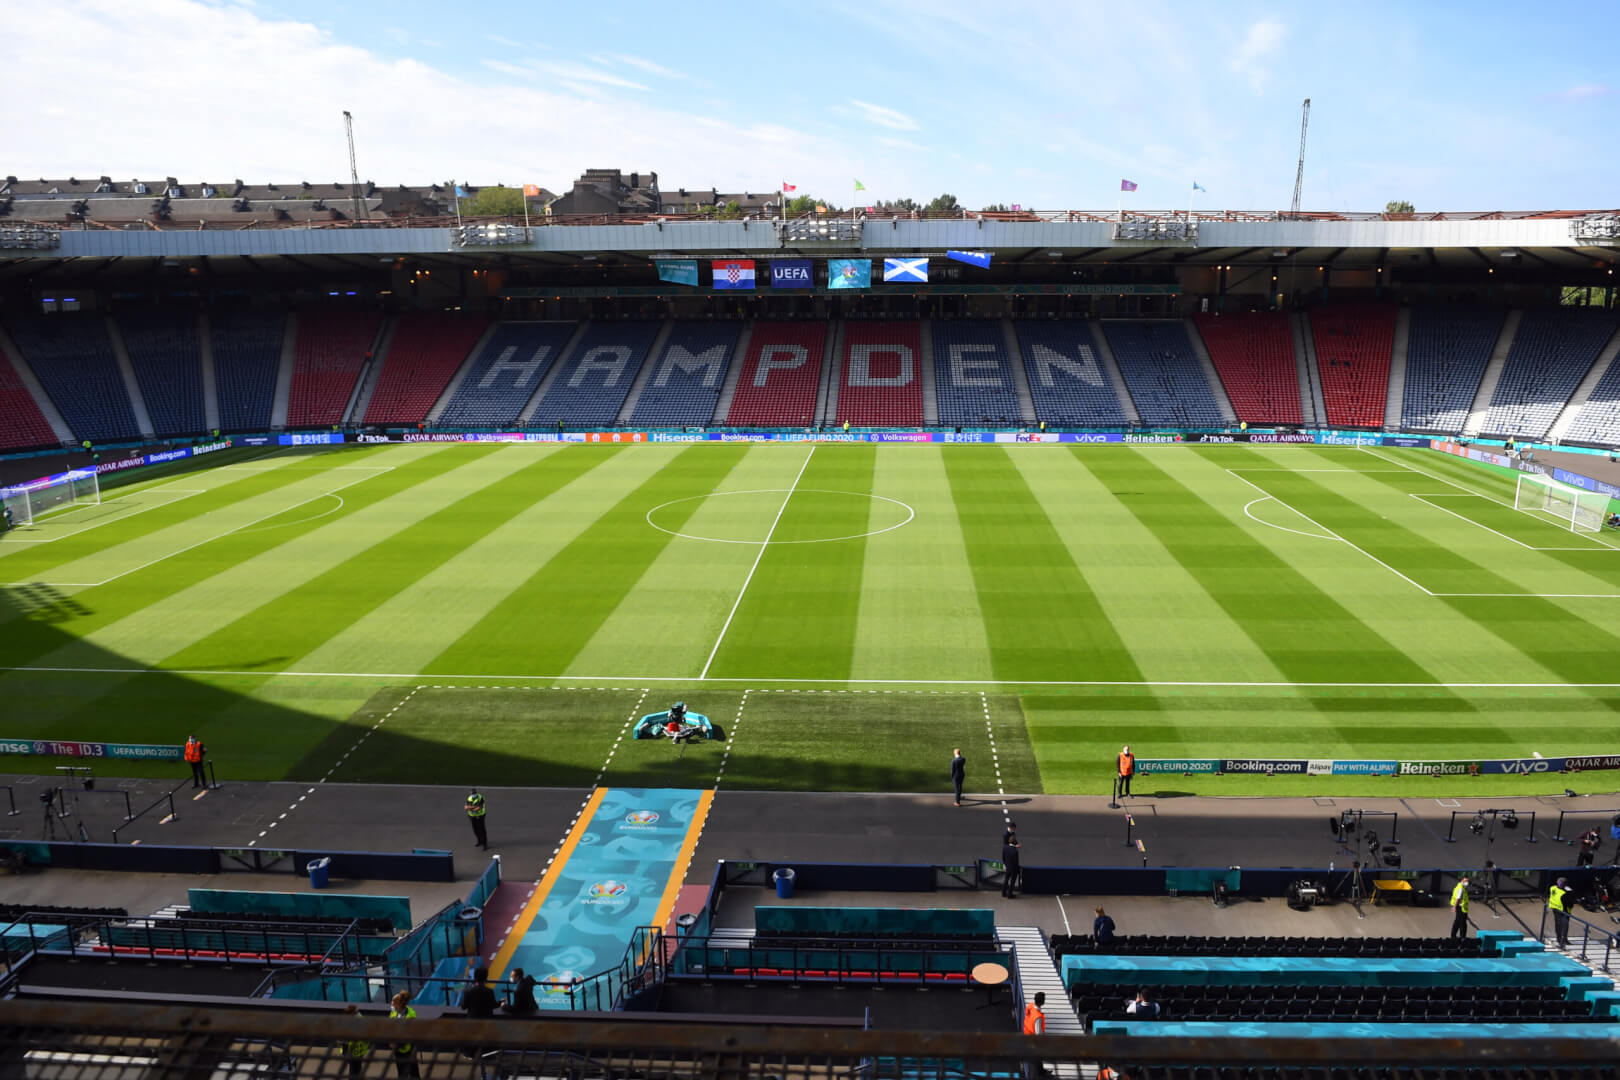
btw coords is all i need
(759, 510)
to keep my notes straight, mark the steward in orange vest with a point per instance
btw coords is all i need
(1127, 769)
(195, 752)
(1034, 1018)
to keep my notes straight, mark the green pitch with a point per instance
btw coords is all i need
(848, 613)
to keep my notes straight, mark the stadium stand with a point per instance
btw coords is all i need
(686, 380)
(332, 346)
(1446, 355)
(427, 349)
(1197, 945)
(591, 389)
(1599, 419)
(1552, 351)
(973, 377)
(506, 373)
(1342, 1004)
(1353, 348)
(880, 380)
(1253, 353)
(73, 359)
(1066, 382)
(781, 375)
(247, 354)
(167, 357)
(22, 425)
(1163, 373)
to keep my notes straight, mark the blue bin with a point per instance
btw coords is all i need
(319, 870)
(784, 884)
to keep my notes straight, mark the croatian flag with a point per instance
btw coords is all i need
(734, 273)
(1127, 185)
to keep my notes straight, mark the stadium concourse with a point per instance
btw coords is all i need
(1360, 595)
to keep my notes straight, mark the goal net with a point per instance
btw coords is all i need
(1571, 507)
(28, 502)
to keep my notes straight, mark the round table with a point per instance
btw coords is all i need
(989, 975)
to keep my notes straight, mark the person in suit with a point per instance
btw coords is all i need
(958, 772)
(1010, 850)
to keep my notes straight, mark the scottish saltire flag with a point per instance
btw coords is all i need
(849, 273)
(905, 270)
(679, 271)
(734, 273)
(1127, 185)
(981, 259)
(461, 192)
(1199, 187)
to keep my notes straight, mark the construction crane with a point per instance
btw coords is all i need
(354, 171)
(1299, 173)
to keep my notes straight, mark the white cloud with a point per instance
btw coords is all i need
(1583, 92)
(648, 66)
(902, 144)
(508, 42)
(1260, 44)
(260, 97)
(884, 117)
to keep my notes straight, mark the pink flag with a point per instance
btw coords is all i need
(789, 187)
(1127, 185)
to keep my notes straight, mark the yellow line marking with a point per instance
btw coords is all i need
(666, 905)
(497, 967)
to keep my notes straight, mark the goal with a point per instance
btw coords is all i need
(1573, 508)
(28, 502)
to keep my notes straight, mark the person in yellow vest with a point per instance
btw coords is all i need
(1558, 901)
(846, 427)
(404, 1050)
(1034, 1016)
(1127, 769)
(355, 1051)
(195, 753)
(1459, 908)
(475, 814)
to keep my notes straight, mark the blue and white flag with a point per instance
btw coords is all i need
(849, 273)
(1199, 187)
(734, 273)
(905, 270)
(461, 192)
(792, 274)
(981, 259)
(679, 271)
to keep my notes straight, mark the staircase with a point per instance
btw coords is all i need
(1211, 376)
(1397, 370)
(565, 355)
(1015, 357)
(1310, 385)
(137, 400)
(728, 390)
(1493, 373)
(831, 374)
(284, 374)
(1105, 355)
(1583, 392)
(205, 341)
(1036, 971)
(366, 384)
(925, 370)
(461, 374)
(655, 353)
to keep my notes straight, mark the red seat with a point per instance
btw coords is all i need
(1253, 353)
(22, 425)
(427, 349)
(781, 375)
(1353, 348)
(330, 350)
(880, 375)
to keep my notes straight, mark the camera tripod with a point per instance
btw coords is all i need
(1356, 889)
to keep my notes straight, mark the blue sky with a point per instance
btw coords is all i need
(1046, 104)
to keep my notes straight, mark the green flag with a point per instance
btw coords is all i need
(859, 186)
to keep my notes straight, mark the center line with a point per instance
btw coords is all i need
(763, 546)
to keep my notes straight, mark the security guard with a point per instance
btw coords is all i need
(404, 1052)
(1558, 901)
(1034, 1016)
(195, 752)
(1459, 908)
(1127, 769)
(475, 814)
(355, 1051)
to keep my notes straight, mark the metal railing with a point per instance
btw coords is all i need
(911, 963)
(1593, 938)
(54, 1040)
(167, 798)
(201, 939)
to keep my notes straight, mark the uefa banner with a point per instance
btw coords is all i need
(57, 748)
(1376, 766)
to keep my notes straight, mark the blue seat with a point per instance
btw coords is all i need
(684, 386)
(1066, 382)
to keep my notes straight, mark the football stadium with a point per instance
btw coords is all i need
(609, 638)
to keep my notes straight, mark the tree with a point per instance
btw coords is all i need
(904, 206)
(997, 208)
(944, 204)
(805, 204)
(1398, 206)
(494, 201)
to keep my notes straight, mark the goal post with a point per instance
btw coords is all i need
(31, 501)
(1570, 507)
